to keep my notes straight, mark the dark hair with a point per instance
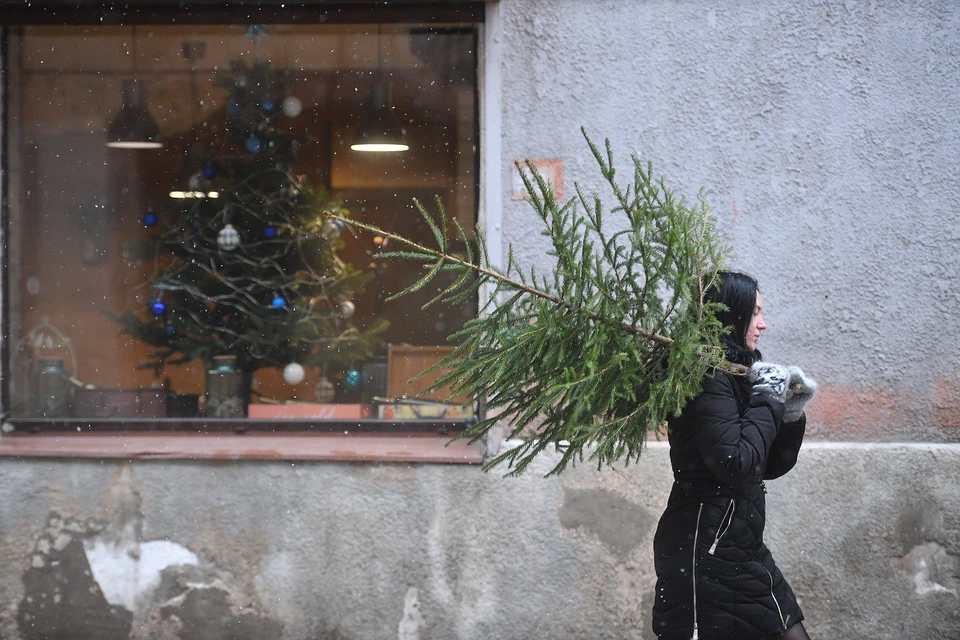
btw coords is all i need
(738, 293)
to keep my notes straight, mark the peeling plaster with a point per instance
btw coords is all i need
(61, 598)
(89, 578)
(412, 618)
(130, 572)
(208, 613)
(127, 569)
(931, 569)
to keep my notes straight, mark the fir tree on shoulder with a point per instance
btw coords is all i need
(595, 355)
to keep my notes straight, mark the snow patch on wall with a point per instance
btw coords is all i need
(129, 570)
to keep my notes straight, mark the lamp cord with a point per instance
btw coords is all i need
(379, 72)
(134, 49)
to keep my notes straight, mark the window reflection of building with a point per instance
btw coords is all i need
(77, 206)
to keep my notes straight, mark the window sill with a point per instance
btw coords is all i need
(370, 426)
(365, 447)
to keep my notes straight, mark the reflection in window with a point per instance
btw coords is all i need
(207, 278)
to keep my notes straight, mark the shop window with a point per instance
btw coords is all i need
(171, 258)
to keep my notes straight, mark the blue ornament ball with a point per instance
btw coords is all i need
(158, 308)
(270, 232)
(269, 105)
(149, 219)
(233, 108)
(352, 379)
(278, 302)
(209, 171)
(169, 329)
(253, 144)
(195, 224)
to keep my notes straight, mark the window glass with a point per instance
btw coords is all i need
(172, 256)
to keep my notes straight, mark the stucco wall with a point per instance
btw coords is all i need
(828, 133)
(197, 551)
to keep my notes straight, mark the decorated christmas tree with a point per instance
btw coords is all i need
(246, 252)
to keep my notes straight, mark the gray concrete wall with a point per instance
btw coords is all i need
(828, 132)
(197, 551)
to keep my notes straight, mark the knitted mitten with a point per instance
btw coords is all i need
(800, 389)
(770, 379)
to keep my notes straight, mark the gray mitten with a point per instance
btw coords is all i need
(770, 379)
(799, 390)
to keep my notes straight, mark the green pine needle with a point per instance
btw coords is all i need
(592, 358)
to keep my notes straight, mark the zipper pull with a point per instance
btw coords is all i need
(713, 547)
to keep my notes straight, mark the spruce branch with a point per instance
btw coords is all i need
(596, 354)
(441, 257)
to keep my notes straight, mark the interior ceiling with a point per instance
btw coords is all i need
(333, 66)
(159, 48)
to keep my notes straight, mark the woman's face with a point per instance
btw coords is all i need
(756, 325)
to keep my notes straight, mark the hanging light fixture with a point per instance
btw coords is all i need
(380, 129)
(193, 180)
(133, 127)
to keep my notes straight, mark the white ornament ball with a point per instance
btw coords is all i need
(347, 309)
(293, 373)
(291, 106)
(228, 238)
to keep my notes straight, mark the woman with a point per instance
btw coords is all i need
(715, 577)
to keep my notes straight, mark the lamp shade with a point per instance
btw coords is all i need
(380, 130)
(133, 127)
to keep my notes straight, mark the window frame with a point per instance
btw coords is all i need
(267, 12)
(485, 17)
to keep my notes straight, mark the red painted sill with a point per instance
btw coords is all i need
(393, 447)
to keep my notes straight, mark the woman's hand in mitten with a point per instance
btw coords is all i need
(770, 379)
(800, 389)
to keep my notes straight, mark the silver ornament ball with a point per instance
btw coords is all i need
(228, 238)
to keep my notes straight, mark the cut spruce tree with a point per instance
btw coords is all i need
(593, 356)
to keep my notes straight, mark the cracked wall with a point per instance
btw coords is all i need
(868, 535)
(101, 579)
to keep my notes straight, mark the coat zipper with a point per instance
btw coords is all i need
(693, 572)
(721, 532)
(782, 621)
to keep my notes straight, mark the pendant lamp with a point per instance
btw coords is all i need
(194, 179)
(380, 129)
(133, 127)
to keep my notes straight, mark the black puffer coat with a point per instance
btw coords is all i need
(716, 578)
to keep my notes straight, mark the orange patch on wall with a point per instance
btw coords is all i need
(550, 168)
(849, 411)
(946, 411)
